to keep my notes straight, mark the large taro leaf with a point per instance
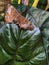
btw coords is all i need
(24, 46)
(21, 47)
(42, 18)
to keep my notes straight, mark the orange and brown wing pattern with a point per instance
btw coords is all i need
(11, 15)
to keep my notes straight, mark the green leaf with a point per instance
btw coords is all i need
(42, 18)
(24, 47)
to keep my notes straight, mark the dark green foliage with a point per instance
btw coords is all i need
(41, 4)
(22, 47)
(42, 17)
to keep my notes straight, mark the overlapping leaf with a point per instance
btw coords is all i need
(21, 47)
